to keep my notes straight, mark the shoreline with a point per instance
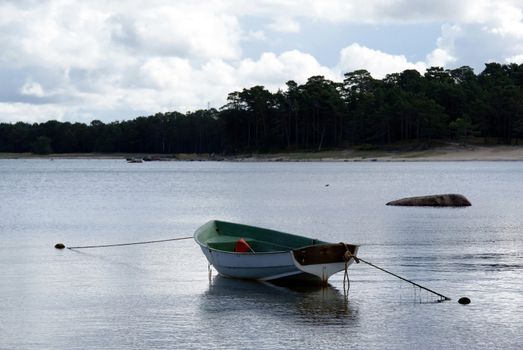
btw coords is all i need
(445, 153)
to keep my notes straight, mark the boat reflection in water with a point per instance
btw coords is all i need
(315, 304)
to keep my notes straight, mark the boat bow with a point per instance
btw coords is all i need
(324, 260)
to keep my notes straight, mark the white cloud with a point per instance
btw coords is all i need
(439, 58)
(378, 63)
(30, 113)
(285, 25)
(32, 88)
(385, 11)
(167, 83)
(443, 54)
(273, 71)
(87, 35)
(258, 35)
(515, 59)
(105, 59)
(168, 72)
(189, 87)
(189, 32)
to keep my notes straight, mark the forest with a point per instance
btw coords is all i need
(441, 104)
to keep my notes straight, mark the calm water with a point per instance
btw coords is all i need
(160, 296)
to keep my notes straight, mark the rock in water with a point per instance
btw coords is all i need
(437, 200)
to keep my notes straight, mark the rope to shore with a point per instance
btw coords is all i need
(130, 243)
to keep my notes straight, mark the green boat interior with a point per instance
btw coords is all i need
(224, 236)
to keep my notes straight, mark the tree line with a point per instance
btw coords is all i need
(450, 104)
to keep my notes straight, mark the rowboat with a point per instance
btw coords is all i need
(249, 252)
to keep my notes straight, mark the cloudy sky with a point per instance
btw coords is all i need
(116, 60)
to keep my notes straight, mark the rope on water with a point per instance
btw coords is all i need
(348, 255)
(406, 280)
(131, 243)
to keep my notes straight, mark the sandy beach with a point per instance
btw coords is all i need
(444, 153)
(462, 153)
(476, 153)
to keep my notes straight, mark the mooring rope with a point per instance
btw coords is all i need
(131, 243)
(348, 255)
(346, 258)
(406, 280)
(346, 280)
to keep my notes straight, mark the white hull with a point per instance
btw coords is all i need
(262, 266)
(268, 266)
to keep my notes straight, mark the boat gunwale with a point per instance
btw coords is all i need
(271, 252)
(286, 250)
(244, 253)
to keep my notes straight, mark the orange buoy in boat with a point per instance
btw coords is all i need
(242, 246)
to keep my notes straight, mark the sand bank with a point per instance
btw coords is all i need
(446, 153)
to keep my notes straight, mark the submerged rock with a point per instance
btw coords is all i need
(437, 200)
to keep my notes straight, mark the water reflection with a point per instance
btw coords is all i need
(303, 304)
